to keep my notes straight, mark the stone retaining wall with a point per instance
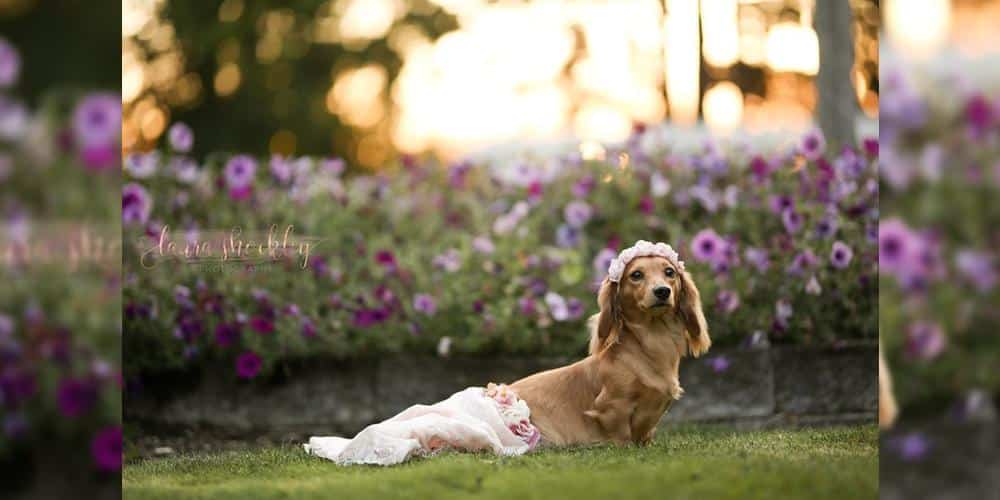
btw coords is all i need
(779, 386)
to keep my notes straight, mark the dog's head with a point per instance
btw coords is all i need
(650, 289)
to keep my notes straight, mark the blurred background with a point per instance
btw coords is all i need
(60, 252)
(366, 80)
(940, 170)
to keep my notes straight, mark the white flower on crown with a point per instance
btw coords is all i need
(642, 248)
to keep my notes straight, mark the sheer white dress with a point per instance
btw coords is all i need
(475, 419)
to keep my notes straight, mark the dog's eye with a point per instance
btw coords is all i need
(669, 272)
(636, 275)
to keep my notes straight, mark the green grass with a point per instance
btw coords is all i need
(688, 462)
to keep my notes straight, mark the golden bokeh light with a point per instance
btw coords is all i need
(357, 95)
(722, 106)
(230, 10)
(918, 28)
(152, 123)
(680, 32)
(720, 39)
(227, 80)
(793, 47)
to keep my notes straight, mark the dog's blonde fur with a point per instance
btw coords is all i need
(619, 392)
(887, 409)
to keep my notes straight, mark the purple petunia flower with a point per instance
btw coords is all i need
(14, 119)
(333, 166)
(603, 260)
(99, 157)
(142, 165)
(976, 405)
(758, 257)
(136, 205)
(458, 173)
(450, 261)
(760, 169)
(707, 246)
(568, 236)
(262, 324)
(646, 205)
(977, 268)
(75, 397)
(583, 187)
(308, 328)
(780, 203)
(840, 255)
(575, 308)
(827, 226)
(363, 318)
(425, 304)
(719, 364)
(6, 326)
(240, 172)
(659, 185)
(792, 221)
(557, 306)
(727, 301)
(281, 169)
(782, 312)
(912, 447)
(812, 286)
(526, 305)
(226, 334)
(802, 262)
(184, 169)
(97, 120)
(17, 386)
(978, 114)
(895, 240)
(181, 137)
(106, 448)
(248, 365)
(483, 245)
(577, 213)
(812, 145)
(924, 340)
(871, 146)
(10, 64)
(386, 259)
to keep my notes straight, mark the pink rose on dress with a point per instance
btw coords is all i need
(527, 432)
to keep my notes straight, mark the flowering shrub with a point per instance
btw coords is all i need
(937, 240)
(489, 257)
(60, 267)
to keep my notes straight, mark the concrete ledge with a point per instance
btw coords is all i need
(781, 386)
(825, 381)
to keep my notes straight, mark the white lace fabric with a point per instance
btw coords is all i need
(475, 419)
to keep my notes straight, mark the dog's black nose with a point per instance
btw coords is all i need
(662, 292)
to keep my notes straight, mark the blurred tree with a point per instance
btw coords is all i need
(262, 73)
(41, 31)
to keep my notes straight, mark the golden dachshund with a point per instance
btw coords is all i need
(649, 319)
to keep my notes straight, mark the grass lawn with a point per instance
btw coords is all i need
(687, 462)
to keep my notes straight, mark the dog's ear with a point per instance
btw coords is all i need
(689, 306)
(608, 320)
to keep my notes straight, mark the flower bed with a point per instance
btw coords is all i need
(60, 301)
(488, 258)
(938, 238)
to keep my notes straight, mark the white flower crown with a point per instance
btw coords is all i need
(642, 248)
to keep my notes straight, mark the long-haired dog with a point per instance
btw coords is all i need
(650, 317)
